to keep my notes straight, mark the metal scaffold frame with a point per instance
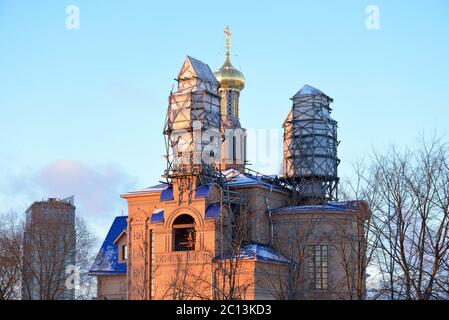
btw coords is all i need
(197, 102)
(310, 150)
(192, 110)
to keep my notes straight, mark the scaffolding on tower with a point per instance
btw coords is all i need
(310, 148)
(193, 128)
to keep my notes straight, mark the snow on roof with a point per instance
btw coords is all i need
(236, 179)
(342, 206)
(106, 261)
(156, 188)
(233, 177)
(260, 252)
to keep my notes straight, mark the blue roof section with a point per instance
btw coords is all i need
(157, 216)
(167, 194)
(344, 206)
(260, 252)
(106, 261)
(233, 178)
(202, 191)
(212, 211)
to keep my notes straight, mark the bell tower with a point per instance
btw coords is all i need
(232, 82)
(192, 130)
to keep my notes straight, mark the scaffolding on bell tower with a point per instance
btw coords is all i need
(193, 139)
(193, 128)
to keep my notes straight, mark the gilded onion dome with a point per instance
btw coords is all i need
(228, 76)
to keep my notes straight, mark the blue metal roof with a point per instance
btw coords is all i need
(167, 195)
(233, 178)
(212, 211)
(202, 191)
(106, 261)
(259, 252)
(157, 216)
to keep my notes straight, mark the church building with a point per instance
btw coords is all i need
(215, 229)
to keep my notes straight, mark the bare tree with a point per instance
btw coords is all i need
(227, 281)
(222, 278)
(357, 247)
(61, 258)
(354, 245)
(188, 281)
(84, 257)
(10, 271)
(409, 203)
(141, 287)
(288, 280)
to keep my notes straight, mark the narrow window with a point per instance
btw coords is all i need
(318, 266)
(124, 252)
(234, 149)
(230, 103)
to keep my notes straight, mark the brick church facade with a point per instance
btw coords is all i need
(217, 230)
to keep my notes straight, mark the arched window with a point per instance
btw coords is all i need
(184, 233)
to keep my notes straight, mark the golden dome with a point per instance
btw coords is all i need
(230, 77)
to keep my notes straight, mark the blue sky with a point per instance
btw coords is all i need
(82, 111)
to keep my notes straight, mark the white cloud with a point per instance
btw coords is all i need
(96, 189)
